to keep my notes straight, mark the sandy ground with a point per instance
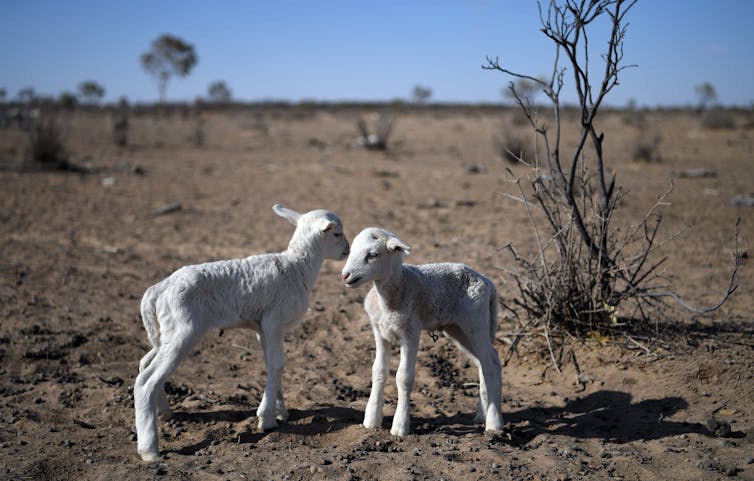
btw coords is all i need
(78, 251)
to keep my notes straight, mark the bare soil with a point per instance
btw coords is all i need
(672, 399)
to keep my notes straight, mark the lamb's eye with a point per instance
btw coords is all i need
(337, 234)
(370, 255)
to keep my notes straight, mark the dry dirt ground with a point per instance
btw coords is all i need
(78, 250)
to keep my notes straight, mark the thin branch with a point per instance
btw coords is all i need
(730, 289)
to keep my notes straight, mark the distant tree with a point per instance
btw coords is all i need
(91, 92)
(219, 92)
(168, 57)
(67, 100)
(707, 95)
(26, 95)
(421, 94)
(3, 93)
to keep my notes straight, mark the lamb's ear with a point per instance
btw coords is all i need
(286, 213)
(395, 244)
(325, 225)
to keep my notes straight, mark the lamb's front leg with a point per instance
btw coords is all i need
(373, 412)
(274, 359)
(404, 380)
(281, 413)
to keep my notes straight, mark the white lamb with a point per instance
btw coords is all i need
(452, 298)
(268, 293)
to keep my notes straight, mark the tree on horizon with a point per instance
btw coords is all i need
(168, 57)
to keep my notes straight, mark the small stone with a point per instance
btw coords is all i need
(750, 460)
(472, 469)
(89, 461)
(721, 429)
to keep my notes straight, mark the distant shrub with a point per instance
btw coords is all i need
(718, 119)
(120, 123)
(46, 145)
(647, 148)
(513, 148)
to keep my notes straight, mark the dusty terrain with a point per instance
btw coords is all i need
(78, 250)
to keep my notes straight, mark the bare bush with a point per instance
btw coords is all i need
(120, 123)
(513, 147)
(46, 145)
(717, 118)
(583, 268)
(379, 139)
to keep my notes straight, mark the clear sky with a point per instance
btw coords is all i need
(331, 50)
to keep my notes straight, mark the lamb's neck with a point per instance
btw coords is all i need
(308, 263)
(391, 289)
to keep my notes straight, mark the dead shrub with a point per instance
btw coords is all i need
(717, 118)
(583, 270)
(46, 145)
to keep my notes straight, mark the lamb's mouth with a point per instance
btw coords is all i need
(351, 282)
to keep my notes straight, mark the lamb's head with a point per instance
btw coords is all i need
(376, 253)
(317, 229)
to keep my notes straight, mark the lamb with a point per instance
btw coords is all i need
(268, 293)
(447, 297)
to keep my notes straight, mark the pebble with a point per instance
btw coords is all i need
(750, 460)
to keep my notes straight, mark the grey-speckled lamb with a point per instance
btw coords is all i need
(452, 298)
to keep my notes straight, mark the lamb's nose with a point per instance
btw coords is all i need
(346, 275)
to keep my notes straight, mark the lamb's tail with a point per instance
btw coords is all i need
(493, 312)
(149, 314)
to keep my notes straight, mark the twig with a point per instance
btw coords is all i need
(243, 348)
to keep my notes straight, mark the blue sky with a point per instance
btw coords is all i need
(357, 50)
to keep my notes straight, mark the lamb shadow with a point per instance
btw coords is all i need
(322, 420)
(609, 415)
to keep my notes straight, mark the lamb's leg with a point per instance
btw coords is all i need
(281, 413)
(478, 347)
(274, 360)
(147, 389)
(163, 405)
(373, 412)
(404, 380)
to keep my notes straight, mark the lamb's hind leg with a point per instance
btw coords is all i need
(480, 350)
(147, 389)
(163, 405)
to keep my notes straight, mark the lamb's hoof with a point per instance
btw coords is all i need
(370, 425)
(283, 417)
(149, 456)
(494, 429)
(267, 426)
(394, 431)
